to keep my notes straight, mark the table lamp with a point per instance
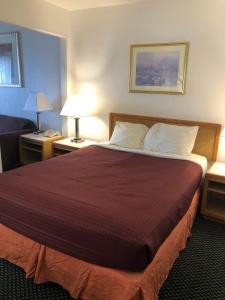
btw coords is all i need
(37, 102)
(75, 107)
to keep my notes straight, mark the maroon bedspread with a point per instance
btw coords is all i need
(106, 207)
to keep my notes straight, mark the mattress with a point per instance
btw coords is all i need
(106, 207)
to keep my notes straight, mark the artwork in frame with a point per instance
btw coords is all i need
(158, 68)
(10, 64)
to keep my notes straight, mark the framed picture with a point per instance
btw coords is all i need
(158, 68)
(10, 64)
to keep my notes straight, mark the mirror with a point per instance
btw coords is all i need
(10, 65)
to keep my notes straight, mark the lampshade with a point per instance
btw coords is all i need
(75, 106)
(37, 102)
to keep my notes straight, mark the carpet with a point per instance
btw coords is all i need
(198, 273)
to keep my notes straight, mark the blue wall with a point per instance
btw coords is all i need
(41, 69)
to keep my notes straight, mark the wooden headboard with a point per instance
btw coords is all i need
(207, 139)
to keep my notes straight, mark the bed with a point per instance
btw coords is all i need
(125, 263)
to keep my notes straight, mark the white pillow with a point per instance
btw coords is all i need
(171, 138)
(129, 135)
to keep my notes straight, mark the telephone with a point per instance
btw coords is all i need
(50, 133)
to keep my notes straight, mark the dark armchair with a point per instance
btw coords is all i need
(10, 130)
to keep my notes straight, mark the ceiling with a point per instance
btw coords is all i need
(85, 4)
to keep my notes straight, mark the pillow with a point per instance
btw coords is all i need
(171, 138)
(129, 135)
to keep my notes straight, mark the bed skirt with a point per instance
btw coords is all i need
(91, 282)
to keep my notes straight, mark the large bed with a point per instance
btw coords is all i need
(104, 222)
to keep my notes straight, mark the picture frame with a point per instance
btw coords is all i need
(10, 60)
(158, 68)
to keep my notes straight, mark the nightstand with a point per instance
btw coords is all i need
(213, 199)
(35, 148)
(64, 146)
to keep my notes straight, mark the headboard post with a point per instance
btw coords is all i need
(207, 139)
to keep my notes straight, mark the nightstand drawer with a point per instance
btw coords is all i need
(217, 187)
(215, 206)
(57, 151)
(213, 199)
(34, 148)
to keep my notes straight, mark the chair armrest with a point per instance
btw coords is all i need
(9, 143)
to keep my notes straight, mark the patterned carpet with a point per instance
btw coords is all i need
(198, 274)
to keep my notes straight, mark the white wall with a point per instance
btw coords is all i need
(101, 45)
(35, 14)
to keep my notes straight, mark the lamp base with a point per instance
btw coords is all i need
(77, 140)
(37, 132)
